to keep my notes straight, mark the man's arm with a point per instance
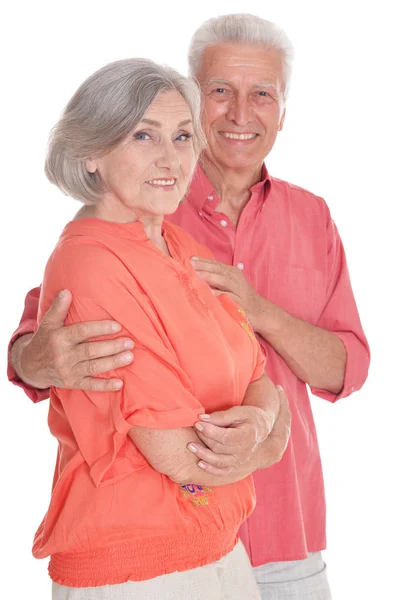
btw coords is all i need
(331, 356)
(61, 355)
(316, 356)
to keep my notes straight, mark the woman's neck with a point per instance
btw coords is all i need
(152, 224)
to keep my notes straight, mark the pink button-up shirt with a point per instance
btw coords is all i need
(289, 249)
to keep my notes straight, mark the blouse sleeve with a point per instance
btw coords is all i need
(156, 392)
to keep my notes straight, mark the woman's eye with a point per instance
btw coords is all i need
(141, 136)
(184, 137)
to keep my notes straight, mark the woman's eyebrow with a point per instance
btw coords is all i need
(158, 124)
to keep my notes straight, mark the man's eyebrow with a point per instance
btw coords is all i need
(266, 85)
(158, 124)
(221, 81)
(263, 84)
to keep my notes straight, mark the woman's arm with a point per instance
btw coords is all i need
(166, 451)
(241, 446)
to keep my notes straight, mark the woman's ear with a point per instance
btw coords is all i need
(91, 165)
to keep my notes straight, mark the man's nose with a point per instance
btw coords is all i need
(240, 110)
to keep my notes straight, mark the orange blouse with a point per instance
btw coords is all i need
(112, 517)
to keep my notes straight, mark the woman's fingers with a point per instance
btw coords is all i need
(208, 458)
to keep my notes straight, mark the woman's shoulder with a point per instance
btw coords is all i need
(84, 257)
(187, 242)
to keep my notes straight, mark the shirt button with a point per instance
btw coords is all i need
(210, 197)
(200, 213)
(223, 223)
(195, 292)
(240, 266)
(184, 277)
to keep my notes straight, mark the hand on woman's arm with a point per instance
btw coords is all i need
(166, 451)
(64, 356)
(248, 437)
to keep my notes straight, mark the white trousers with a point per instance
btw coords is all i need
(294, 580)
(230, 578)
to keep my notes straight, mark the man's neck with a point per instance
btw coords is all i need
(231, 185)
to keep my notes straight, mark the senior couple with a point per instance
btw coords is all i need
(210, 272)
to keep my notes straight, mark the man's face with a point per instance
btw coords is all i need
(243, 104)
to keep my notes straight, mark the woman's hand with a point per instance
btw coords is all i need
(240, 439)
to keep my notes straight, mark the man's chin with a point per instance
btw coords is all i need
(238, 162)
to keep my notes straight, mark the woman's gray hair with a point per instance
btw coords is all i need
(102, 112)
(240, 29)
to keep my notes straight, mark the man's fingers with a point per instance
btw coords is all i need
(93, 368)
(81, 332)
(208, 264)
(57, 313)
(94, 384)
(92, 350)
(216, 280)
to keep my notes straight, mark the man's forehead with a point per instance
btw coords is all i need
(224, 61)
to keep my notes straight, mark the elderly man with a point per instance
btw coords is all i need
(280, 257)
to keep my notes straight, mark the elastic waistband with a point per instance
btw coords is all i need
(140, 559)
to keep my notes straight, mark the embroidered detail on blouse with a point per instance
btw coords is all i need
(197, 493)
(246, 324)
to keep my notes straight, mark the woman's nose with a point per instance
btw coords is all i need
(168, 158)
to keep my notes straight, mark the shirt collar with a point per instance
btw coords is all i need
(202, 196)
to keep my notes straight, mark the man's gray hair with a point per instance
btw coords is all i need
(241, 29)
(102, 112)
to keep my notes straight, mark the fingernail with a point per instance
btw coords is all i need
(280, 388)
(128, 344)
(203, 417)
(62, 293)
(116, 385)
(192, 448)
(116, 327)
(199, 427)
(195, 258)
(201, 465)
(127, 357)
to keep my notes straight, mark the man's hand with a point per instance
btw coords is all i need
(62, 355)
(232, 447)
(225, 279)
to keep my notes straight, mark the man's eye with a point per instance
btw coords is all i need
(264, 94)
(220, 91)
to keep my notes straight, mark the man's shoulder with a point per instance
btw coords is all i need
(295, 191)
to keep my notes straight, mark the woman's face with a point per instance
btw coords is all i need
(149, 171)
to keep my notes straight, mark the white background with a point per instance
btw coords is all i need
(339, 141)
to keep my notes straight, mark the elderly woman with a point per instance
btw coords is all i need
(132, 513)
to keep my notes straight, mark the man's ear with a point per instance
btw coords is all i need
(282, 119)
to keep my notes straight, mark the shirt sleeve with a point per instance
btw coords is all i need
(340, 316)
(26, 325)
(156, 393)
